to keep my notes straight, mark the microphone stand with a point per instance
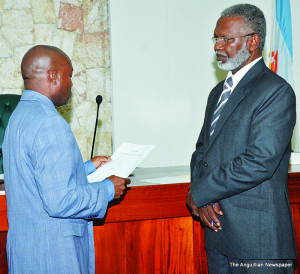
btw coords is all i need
(98, 101)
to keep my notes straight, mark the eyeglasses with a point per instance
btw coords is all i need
(224, 41)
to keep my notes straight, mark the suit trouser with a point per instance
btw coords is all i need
(220, 264)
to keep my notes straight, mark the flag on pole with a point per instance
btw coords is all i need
(281, 51)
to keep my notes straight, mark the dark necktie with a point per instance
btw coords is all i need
(222, 101)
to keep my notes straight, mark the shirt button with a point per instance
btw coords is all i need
(205, 164)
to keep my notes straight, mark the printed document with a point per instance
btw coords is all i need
(124, 161)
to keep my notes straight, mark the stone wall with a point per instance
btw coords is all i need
(79, 28)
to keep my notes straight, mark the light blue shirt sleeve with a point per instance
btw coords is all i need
(90, 168)
(60, 175)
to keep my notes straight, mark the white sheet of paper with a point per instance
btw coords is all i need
(124, 161)
(169, 180)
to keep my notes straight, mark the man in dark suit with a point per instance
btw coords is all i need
(239, 169)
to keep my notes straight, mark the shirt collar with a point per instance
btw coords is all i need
(30, 95)
(236, 78)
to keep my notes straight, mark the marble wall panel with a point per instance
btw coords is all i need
(5, 49)
(101, 144)
(79, 28)
(19, 52)
(18, 37)
(98, 83)
(74, 2)
(17, 18)
(43, 11)
(10, 72)
(16, 4)
(56, 6)
(10, 90)
(43, 34)
(64, 40)
(92, 49)
(95, 16)
(70, 18)
(79, 83)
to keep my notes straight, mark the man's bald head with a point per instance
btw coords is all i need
(48, 71)
(40, 59)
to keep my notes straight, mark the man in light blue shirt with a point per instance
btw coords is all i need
(50, 203)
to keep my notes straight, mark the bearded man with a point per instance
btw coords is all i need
(239, 169)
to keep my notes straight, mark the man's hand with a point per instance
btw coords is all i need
(99, 161)
(191, 205)
(119, 184)
(207, 214)
(209, 218)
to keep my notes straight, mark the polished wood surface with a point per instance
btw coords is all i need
(3, 259)
(150, 246)
(144, 224)
(151, 231)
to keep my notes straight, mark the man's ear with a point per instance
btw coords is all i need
(254, 42)
(52, 76)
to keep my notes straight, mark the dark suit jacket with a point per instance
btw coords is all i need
(244, 166)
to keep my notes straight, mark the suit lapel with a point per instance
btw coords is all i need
(240, 91)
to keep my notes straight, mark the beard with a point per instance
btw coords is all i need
(234, 62)
(66, 101)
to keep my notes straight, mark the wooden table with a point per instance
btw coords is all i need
(151, 230)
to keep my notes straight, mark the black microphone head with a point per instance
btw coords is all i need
(99, 99)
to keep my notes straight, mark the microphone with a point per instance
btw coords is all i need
(98, 101)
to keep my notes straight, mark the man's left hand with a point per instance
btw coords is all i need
(99, 161)
(207, 214)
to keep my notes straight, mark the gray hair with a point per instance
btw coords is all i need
(253, 17)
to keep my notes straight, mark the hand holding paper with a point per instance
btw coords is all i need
(120, 185)
(124, 161)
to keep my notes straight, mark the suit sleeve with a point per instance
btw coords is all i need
(271, 130)
(197, 158)
(60, 174)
